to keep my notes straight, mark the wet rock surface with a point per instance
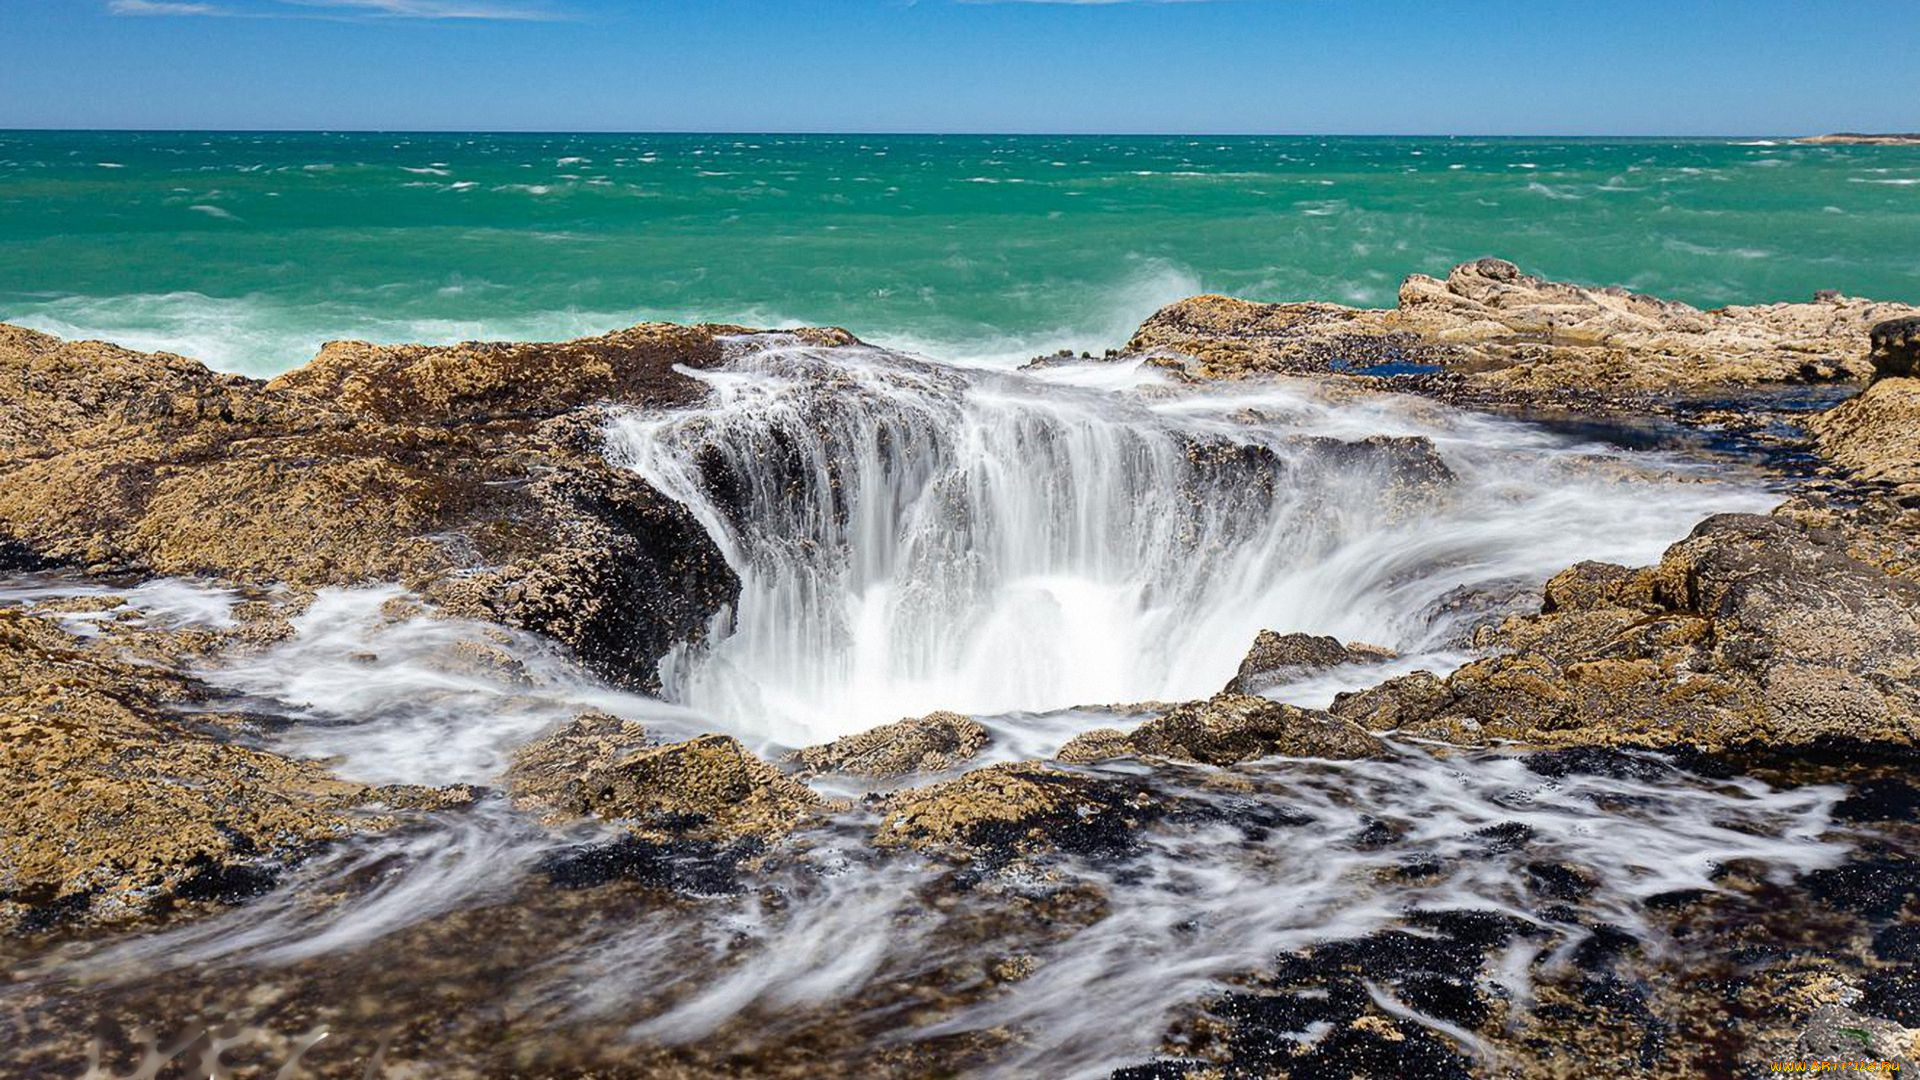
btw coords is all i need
(1003, 811)
(1778, 650)
(1226, 729)
(708, 788)
(1276, 659)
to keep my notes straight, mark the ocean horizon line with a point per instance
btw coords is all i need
(798, 133)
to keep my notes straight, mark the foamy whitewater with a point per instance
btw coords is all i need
(1020, 546)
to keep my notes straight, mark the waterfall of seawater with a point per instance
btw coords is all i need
(912, 537)
(909, 537)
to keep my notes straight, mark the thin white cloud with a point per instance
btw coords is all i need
(502, 10)
(435, 9)
(161, 7)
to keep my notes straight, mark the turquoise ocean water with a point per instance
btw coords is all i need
(249, 249)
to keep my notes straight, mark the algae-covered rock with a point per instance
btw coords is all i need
(706, 788)
(1230, 728)
(1021, 808)
(546, 773)
(1756, 629)
(121, 803)
(932, 743)
(1227, 729)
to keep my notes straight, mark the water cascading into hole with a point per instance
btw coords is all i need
(911, 536)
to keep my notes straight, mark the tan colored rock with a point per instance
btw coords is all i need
(1597, 586)
(706, 788)
(1497, 331)
(1230, 728)
(120, 808)
(474, 381)
(546, 774)
(932, 743)
(1091, 747)
(1876, 434)
(1224, 730)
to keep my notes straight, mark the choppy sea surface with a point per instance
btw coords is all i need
(247, 250)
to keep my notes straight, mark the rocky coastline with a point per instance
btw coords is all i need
(1783, 645)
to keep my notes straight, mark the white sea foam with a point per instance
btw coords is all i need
(165, 603)
(415, 698)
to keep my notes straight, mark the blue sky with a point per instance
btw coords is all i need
(1397, 66)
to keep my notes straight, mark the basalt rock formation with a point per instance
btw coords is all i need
(471, 473)
(1488, 331)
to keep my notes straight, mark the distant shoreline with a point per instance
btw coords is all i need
(1854, 138)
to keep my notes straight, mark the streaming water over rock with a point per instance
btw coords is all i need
(911, 536)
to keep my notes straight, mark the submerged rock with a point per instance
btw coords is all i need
(122, 803)
(1276, 659)
(932, 743)
(1492, 330)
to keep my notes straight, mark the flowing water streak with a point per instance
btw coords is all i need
(911, 536)
(1244, 878)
